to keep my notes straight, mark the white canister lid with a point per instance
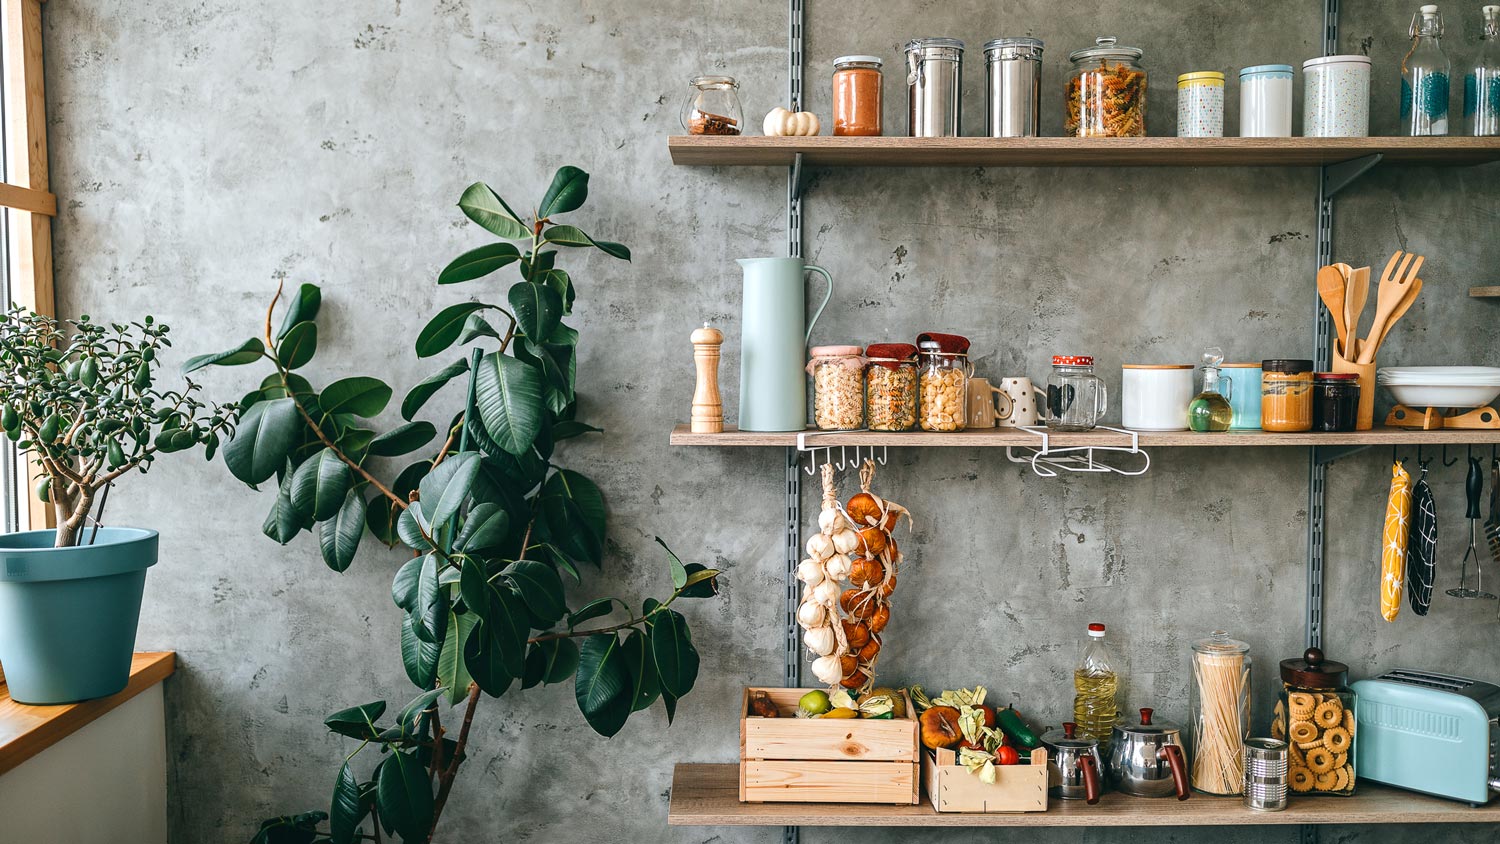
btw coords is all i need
(1327, 60)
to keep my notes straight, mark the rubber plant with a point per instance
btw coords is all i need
(492, 520)
(79, 398)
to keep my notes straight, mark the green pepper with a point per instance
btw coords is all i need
(1010, 721)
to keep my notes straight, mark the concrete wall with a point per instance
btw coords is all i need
(203, 149)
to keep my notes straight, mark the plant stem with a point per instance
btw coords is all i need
(445, 780)
(613, 628)
(323, 437)
(437, 739)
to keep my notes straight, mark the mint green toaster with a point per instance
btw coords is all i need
(1429, 732)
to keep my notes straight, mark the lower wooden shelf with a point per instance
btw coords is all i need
(999, 437)
(708, 795)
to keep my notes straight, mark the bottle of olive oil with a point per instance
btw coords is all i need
(1096, 685)
(1209, 411)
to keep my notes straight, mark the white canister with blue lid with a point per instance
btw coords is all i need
(1266, 101)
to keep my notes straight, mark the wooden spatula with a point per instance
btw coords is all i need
(1412, 289)
(1331, 291)
(1356, 294)
(1395, 283)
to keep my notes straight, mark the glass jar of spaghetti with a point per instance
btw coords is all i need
(856, 95)
(891, 387)
(1315, 716)
(1106, 92)
(838, 394)
(1219, 714)
(1286, 400)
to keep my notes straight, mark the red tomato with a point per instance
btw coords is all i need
(1007, 755)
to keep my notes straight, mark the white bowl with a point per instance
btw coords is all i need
(1456, 375)
(1443, 395)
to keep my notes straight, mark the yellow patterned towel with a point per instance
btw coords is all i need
(1393, 542)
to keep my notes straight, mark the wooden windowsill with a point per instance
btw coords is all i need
(26, 731)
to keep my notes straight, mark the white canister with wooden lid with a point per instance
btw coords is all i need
(1155, 396)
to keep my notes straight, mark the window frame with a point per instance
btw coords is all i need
(26, 190)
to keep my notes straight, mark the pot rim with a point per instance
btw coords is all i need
(117, 550)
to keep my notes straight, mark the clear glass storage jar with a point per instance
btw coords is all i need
(1335, 401)
(891, 387)
(1286, 395)
(1076, 397)
(1106, 95)
(1315, 716)
(712, 106)
(944, 389)
(838, 388)
(1219, 714)
(856, 95)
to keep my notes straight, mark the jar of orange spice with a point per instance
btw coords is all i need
(856, 95)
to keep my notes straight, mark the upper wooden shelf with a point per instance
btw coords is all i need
(1485, 292)
(708, 795)
(829, 151)
(26, 731)
(996, 437)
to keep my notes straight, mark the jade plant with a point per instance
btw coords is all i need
(79, 398)
(493, 520)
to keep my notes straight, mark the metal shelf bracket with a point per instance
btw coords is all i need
(799, 178)
(1046, 460)
(1325, 454)
(1338, 176)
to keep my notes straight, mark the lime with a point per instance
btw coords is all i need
(814, 702)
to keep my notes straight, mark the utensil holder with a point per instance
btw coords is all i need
(1366, 373)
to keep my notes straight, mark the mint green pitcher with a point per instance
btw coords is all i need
(774, 331)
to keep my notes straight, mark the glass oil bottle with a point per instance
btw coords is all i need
(1210, 411)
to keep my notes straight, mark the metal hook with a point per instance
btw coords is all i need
(1422, 461)
(842, 454)
(1446, 461)
(883, 454)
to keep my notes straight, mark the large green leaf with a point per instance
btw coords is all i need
(702, 581)
(404, 585)
(574, 236)
(301, 307)
(284, 521)
(415, 717)
(266, 434)
(361, 396)
(443, 330)
(249, 351)
(477, 326)
(583, 492)
(639, 664)
(597, 608)
(477, 263)
(298, 346)
(562, 284)
(357, 721)
(541, 589)
(550, 661)
(346, 812)
(409, 529)
(320, 485)
(485, 529)
(672, 647)
(508, 394)
(538, 309)
(447, 487)
(419, 658)
(338, 538)
(569, 428)
(602, 685)
(558, 368)
(403, 439)
(452, 675)
(430, 385)
(430, 615)
(403, 794)
(495, 654)
(290, 829)
(569, 189)
(486, 208)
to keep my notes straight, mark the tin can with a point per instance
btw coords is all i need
(1200, 104)
(1336, 97)
(1013, 87)
(1266, 101)
(1265, 774)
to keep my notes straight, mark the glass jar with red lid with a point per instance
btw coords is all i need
(1076, 397)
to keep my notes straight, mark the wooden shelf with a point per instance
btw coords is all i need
(26, 731)
(1485, 292)
(708, 795)
(828, 151)
(997, 437)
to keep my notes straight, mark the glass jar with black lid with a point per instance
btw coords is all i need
(1315, 716)
(1335, 401)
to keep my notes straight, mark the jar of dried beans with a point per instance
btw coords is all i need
(712, 106)
(1106, 92)
(944, 382)
(891, 387)
(838, 389)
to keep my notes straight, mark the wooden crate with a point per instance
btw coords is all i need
(1017, 788)
(826, 760)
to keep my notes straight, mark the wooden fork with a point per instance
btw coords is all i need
(1394, 285)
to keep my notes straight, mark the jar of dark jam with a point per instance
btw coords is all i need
(1335, 401)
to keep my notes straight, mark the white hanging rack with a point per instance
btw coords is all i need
(844, 461)
(1046, 461)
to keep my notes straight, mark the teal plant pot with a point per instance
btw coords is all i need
(68, 615)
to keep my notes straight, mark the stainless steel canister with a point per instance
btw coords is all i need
(1265, 774)
(933, 85)
(1013, 87)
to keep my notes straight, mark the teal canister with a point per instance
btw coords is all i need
(774, 330)
(1244, 397)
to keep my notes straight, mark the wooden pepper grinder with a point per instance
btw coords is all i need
(708, 407)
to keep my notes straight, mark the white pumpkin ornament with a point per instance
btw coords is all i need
(782, 122)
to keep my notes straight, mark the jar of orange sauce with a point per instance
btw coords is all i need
(856, 95)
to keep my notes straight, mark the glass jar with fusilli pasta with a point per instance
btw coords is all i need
(1106, 96)
(891, 387)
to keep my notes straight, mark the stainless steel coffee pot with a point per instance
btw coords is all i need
(1146, 758)
(1074, 769)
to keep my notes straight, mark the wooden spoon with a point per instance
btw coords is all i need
(1331, 291)
(1357, 294)
(1412, 289)
(1393, 287)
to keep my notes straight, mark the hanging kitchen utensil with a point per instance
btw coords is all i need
(1473, 486)
(1421, 550)
(1356, 293)
(1492, 524)
(1395, 283)
(1393, 542)
(1331, 291)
